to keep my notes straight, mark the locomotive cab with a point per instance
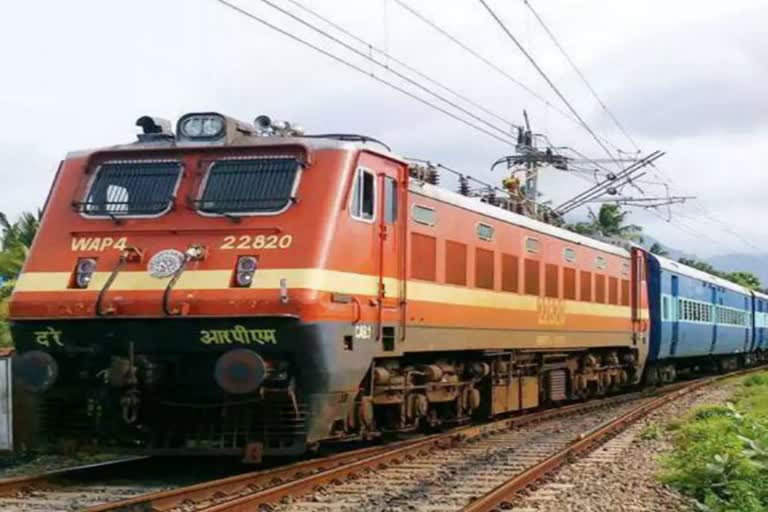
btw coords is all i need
(185, 291)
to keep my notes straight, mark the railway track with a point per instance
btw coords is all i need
(81, 487)
(361, 472)
(480, 468)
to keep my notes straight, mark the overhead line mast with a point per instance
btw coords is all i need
(546, 78)
(581, 75)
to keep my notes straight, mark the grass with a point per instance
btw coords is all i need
(720, 455)
(651, 432)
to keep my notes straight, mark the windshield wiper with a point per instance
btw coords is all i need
(234, 218)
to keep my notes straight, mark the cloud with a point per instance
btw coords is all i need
(705, 78)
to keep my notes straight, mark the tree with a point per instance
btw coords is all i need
(609, 222)
(745, 279)
(15, 240)
(700, 265)
(658, 249)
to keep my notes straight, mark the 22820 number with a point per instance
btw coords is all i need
(257, 242)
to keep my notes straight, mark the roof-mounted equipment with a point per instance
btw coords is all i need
(266, 126)
(211, 127)
(154, 129)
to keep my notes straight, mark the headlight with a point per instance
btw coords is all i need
(246, 266)
(84, 272)
(202, 126)
(86, 266)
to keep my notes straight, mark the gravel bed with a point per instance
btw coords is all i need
(621, 476)
(11, 466)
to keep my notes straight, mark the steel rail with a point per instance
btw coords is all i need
(249, 491)
(503, 496)
(14, 485)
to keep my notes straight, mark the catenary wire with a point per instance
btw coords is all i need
(581, 75)
(361, 70)
(551, 84)
(400, 62)
(402, 76)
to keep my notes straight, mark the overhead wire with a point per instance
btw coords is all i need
(546, 78)
(382, 65)
(400, 62)
(327, 53)
(581, 75)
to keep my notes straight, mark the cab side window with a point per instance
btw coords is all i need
(390, 200)
(364, 195)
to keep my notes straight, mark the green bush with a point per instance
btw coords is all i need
(756, 379)
(721, 456)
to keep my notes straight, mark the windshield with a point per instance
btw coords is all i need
(132, 188)
(250, 186)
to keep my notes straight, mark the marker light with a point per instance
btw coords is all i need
(84, 272)
(202, 126)
(246, 266)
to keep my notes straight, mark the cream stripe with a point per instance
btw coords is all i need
(314, 279)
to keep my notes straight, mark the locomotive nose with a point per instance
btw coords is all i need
(240, 371)
(35, 371)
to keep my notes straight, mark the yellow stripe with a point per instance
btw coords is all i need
(314, 279)
(418, 290)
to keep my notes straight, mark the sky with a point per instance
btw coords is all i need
(685, 77)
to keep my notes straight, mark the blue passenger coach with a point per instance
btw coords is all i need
(760, 309)
(694, 316)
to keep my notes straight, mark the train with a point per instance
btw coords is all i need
(235, 288)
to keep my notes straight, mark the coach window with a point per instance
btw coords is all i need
(532, 245)
(666, 315)
(390, 200)
(364, 196)
(484, 232)
(424, 215)
(600, 263)
(569, 255)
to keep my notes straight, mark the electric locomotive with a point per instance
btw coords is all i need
(237, 288)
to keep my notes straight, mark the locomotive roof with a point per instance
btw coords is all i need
(685, 270)
(312, 143)
(475, 205)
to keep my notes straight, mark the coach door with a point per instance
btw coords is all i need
(392, 220)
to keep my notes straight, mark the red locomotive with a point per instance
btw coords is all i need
(238, 287)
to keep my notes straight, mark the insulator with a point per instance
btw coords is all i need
(463, 185)
(433, 176)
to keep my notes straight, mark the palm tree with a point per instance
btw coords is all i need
(609, 222)
(15, 240)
